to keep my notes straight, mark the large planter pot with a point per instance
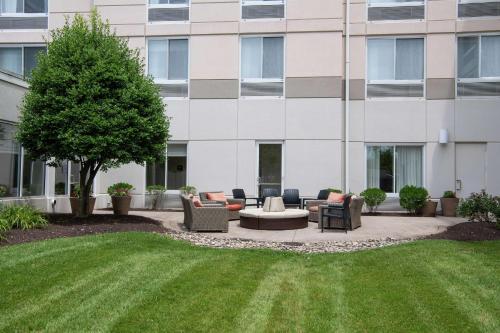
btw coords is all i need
(449, 206)
(121, 205)
(429, 209)
(75, 205)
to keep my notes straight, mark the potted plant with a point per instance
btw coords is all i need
(429, 208)
(3, 190)
(120, 197)
(449, 203)
(188, 190)
(155, 192)
(373, 198)
(413, 198)
(74, 201)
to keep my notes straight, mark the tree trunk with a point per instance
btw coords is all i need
(88, 171)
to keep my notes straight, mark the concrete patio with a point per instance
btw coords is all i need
(373, 228)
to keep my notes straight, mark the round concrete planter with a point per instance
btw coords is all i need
(121, 205)
(75, 205)
(449, 206)
(429, 209)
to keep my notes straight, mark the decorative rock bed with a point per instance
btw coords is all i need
(319, 247)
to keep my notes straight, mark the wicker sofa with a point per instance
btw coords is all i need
(355, 210)
(233, 214)
(213, 218)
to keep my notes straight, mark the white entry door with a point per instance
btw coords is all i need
(471, 168)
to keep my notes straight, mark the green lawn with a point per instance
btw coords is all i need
(146, 282)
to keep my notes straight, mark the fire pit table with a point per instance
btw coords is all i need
(260, 220)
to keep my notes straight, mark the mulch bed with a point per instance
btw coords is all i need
(469, 231)
(66, 225)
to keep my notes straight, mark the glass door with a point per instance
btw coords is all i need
(270, 166)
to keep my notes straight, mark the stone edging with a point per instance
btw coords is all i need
(317, 247)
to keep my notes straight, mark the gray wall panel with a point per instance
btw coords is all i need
(313, 87)
(440, 89)
(214, 89)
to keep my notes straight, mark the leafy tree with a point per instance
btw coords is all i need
(90, 102)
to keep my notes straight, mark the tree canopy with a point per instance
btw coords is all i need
(90, 102)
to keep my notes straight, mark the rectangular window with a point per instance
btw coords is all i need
(176, 166)
(393, 10)
(23, 14)
(478, 67)
(262, 9)
(61, 179)
(155, 174)
(33, 177)
(395, 67)
(74, 177)
(10, 153)
(19, 60)
(390, 168)
(168, 63)
(262, 66)
(168, 10)
(478, 8)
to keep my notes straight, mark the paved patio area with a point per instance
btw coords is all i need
(373, 228)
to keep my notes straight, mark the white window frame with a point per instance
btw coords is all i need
(397, 4)
(246, 3)
(395, 82)
(153, 6)
(166, 81)
(394, 145)
(26, 14)
(22, 47)
(263, 80)
(474, 80)
(459, 2)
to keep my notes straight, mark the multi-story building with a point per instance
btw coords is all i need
(255, 90)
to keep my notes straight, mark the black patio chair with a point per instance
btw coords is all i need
(323, 194)
(269, 192)
(339, 213)
(239, 193)
(291, 198)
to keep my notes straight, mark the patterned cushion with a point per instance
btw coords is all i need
(314, 209)
(336, 197)
(219, 196)
(234, 207)
(197, 202)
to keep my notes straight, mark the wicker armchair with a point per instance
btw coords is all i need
(353, 216)
(233, 214)
(204, 218)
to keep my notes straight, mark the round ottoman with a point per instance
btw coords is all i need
(260, 220)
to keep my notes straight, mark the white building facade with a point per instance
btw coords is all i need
(256, 94)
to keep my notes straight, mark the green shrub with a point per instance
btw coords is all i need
(20, 217)
(480, 207)
(412, 198)
(188, 189)
(449, 194)
(373, 198)
(334, 190)
(3, 190)
(120, 190)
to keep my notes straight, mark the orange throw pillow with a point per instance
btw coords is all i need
(335, 197)
(217, 197)
(197, 202)
(234, 207)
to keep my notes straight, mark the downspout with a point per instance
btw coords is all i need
(347, 91)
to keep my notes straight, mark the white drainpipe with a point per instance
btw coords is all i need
(347, 90)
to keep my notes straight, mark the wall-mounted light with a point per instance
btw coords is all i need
(443, 136)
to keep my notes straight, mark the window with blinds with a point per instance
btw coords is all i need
(262, 9)
(168, 11)
(394, 10)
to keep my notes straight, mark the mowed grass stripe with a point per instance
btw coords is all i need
(85, 284)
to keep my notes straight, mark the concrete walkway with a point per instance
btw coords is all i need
(373, 228)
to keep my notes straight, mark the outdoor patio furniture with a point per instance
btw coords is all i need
(269, 192)
(214, 218)
(291, 198)
(256, 218)
(345, 216)
(239, 193)
(232, 205)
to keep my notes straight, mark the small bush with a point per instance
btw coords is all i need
(373, 198)
(188, 189)
(413, 198)
(3, 190)
(480, 207)
(120, 190)
(20, 217)
(334, 190)
(449, 195)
